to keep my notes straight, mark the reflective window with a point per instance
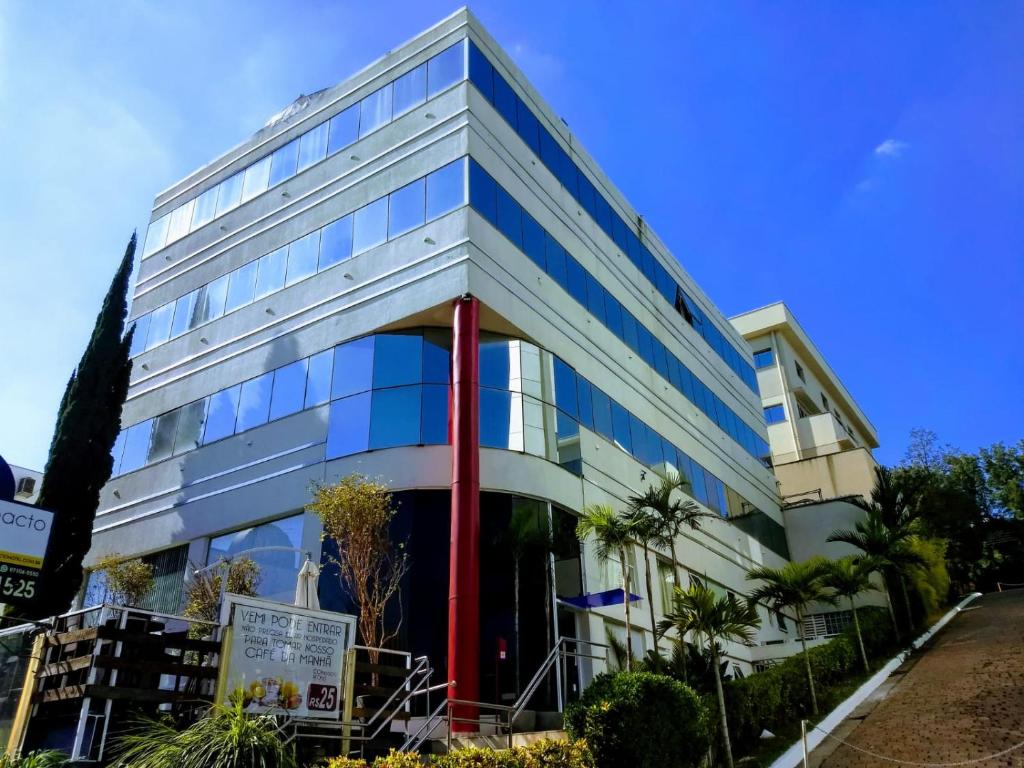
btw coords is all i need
(554, 255)
(191, 419)
(370, 226)
(278, 568)
(183, 309)
(181, 220)
(283, 162)
(495, 366)
(136, 446)
(620, 427)
(348, 426)
(344, 129)
(446, 189)
(481, 72)
(510, 218)
(220, 418)
(397, 360)
(206, 208)
(613, 314)
(139, 336)
(160, 325)
(434, 415)
(586, 403)
(527, 126)
(483, 192)
(602, 414)
(410, 90)
(436, 356)
(595, 298)
(161, 442)
(577, 280)
(629, 334)
(375, 110)
(773, 414)
(313, 146)
(254, 402)
(505, 100)
(230, 193)
(318, 378)
(495, 417)
(156, 235)
(445, 69)
(565, 388)
(764, 357)
(302, 257)
(241, 284)
(116, 452)
(210, 301)
(271, 272)
(395, 417)
(533, 240)
(336, 242)
(256, 180)
(289, 392)
(406, 208)
(353, 367)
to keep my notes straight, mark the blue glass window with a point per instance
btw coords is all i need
(645, 343)
(613, 314)
(117, 451)
(183, 314)
(629, 330)
(773, 414)
(446, 189)
(254, 402)
(406, 208)
(318, 378)
(283, 162)
(139, 336)
(191, 420)
(483, 192)
(504, 99)
(410, 90)
(271, 272)
(533, 240)
(445, 69)
(348, 426)
(256, 178)
(436, 356)
(230, 193)
(210, 301)
(161, 441)
(434, 415)
(764, 357)
(495, 417)
(395, 417)
(206, 208)
(397, 360)
(510, 218)
(313, 146)
(289, 392)
(160, 325)
(565, 388)
(336, 242)
(343, 130)
(220, 419)
(495, 368)
(370, 226)
(353, 367)
(577, 280)
(661, 359)
(481, 73)
(620, 427)
(549, 150)
(602, 413)
(700, 489)
(302, 257)
(555, 256)
(586, 402)
(136, 446)
(595, 298)
(375, 110)
(527, 126)
(241, 284)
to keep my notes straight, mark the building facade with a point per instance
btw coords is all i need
(419, 275)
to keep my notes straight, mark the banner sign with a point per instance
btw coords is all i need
(277, 656)
(24, 535)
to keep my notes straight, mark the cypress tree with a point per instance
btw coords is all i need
(80, 461)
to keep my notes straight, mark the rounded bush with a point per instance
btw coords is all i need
(640, 720)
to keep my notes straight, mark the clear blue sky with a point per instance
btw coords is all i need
(863, 161)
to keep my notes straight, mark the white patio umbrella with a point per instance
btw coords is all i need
(305, 586)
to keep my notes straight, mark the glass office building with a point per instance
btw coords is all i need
(420, 275)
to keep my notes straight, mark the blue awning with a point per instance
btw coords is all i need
(598, 599)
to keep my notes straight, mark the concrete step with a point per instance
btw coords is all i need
(501, 742)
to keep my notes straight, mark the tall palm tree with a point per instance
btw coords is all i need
(848, 577)
(713, 619)
(613, 535)
(884, 548)
(646, 533)
(794, 586)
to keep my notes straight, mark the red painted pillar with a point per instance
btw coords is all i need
(464, 566)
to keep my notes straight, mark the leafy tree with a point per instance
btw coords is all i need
(202, 597)
(1004, 469)
(794, 586)
(613, 534)
(80, 460)
(713, 619)
(356, 514)
(847, 577)
(129, 581)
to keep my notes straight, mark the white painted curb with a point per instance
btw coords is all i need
(793, 756)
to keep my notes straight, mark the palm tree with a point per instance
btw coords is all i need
(794, 586)
(613, 534)
(713, 619)
(848, 577)
(645, 531)
(883, 547)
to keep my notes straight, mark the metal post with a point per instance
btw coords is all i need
(348, 691)
(556, 630)
(803, 739)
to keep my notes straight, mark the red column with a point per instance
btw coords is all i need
(464, 566)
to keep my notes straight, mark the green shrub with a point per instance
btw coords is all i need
(344, 762)
(396, 759)
(640, 720)
(542, 754)
(43, 758)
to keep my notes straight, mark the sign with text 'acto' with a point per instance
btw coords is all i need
(24, 535)
(277, 656)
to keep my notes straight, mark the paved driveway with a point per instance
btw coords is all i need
(961, 699)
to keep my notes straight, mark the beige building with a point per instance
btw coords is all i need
(820, 439)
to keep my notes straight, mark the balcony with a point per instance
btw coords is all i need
(821, 433)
